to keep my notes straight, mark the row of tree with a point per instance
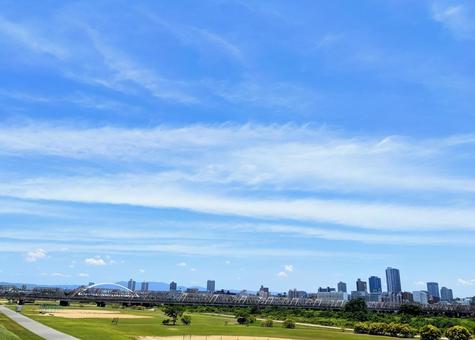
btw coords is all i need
(428, 332)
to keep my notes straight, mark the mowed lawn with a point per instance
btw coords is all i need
(202, 324)
(8, 326)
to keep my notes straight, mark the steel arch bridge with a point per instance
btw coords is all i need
(94, 290)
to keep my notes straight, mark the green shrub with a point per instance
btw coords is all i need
(242, 320)
(267, 323)
(361, 328)
(430, 332)
(378, 328)
(288, 323)
(458, 333)
(407, 331)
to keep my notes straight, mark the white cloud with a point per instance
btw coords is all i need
(420, 283)
(35, 255)
(205, 165)
(466, 282)
(203, 40)
(155, 192)
(59, 275)
(289, 268)
(193, 270)
(93, 261)
(458, 19)
(181, 264)
(142, 271)
(83, 275)
(282, 274)
(31, 39)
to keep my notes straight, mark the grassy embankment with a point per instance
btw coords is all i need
(10, 330)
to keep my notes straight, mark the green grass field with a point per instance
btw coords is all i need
(11, 330)
(202, 324)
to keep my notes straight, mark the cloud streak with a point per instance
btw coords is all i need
(196, 168)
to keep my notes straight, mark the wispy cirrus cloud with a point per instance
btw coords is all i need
(200, 38)
(180, 170)
(31, 39)
(457, 18)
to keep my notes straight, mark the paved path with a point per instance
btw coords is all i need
(34, 326)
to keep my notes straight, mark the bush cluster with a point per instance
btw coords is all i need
(430, 332)
(380, 328)
(458, 333)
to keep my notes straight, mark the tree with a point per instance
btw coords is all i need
(410, 309)
(288, 323)
(458, 333)
(186, 320)
(243, 317)
(356, 310)
(356, 305)
(430, 332)
(173, 312)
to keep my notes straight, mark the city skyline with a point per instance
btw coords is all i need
(290, 145)
(370, 287)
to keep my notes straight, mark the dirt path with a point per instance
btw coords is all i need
(297, 323)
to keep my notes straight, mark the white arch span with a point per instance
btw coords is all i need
(105, 284)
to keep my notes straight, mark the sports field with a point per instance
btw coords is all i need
(148, 323)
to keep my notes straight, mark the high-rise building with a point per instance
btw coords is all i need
(361, 286)
(375, 284)
(211, 286)
(263, 292)
(433, 290)
(294, 293)
(144, 287)
(173, 286)
(446, 294)
(131, 284)
(393, 280)
(342, 287)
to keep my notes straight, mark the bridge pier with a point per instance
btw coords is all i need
(100, 304)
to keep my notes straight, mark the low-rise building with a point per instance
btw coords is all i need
(421, 297)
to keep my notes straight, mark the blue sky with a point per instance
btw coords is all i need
(290, 144)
